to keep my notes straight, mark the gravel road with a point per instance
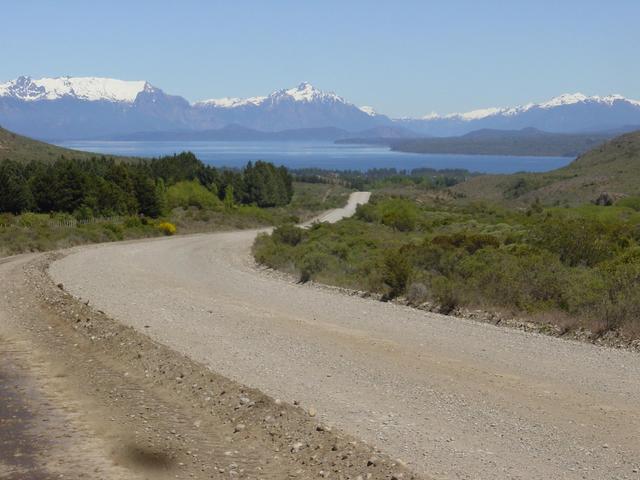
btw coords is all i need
(450, 397)
(332, 216)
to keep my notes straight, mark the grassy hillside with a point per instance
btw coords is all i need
(24, 150)
(612, 168)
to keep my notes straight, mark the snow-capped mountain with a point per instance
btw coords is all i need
(93, 107)
(303, 106)
(305, 93)
(87, 107)
(81, 88)
(566, 113)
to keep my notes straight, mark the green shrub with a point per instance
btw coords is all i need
(267, 252)
(580, 241)
(114, 232)
(133, 222)
(446, 293)
(312, 264)
(288, 234)
(191, 194)
(367, 212)
(629, 202)
(397, 271)
(529, 282)
(471, 242)
(399, 214)
(621, 302)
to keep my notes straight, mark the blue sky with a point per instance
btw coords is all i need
(402, 57)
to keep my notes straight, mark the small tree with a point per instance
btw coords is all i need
(397, 272)
(228, 197)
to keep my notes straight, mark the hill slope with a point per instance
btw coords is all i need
(527, 142)
(613, 168)
(24, 149)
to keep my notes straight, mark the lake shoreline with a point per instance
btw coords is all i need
(325, 155)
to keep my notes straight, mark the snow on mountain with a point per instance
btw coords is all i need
(231, 102)
(303, 106)
(369, 110)
(475, 114)
(567, 113)
(82, 88)
(564, 99)
(304, 93)
(93, 107)
(559, 101)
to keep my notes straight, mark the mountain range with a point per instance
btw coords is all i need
(68, 108)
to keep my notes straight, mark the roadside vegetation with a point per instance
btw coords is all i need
(49, 205)
(573, 267)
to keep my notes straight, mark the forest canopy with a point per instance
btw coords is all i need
(104, 186)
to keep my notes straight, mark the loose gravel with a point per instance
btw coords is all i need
(451, 398)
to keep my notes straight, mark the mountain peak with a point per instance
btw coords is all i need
(565, 99)
(305, 92)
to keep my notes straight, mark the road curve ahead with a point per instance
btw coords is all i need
(335, 215)
(452, 398)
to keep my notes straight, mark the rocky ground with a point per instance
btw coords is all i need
(83, 396)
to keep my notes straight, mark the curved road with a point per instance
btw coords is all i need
(451, 397)
(332, 216)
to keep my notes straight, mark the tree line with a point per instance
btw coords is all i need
(427, 178)
(106, 186)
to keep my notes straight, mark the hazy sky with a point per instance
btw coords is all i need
(402, 57)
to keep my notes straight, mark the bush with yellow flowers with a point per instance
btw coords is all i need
(167, 228)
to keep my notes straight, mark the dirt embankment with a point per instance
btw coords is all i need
(85, 397)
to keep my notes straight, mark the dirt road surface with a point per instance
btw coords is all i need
(83, 396)
(452, 398)
(332, 216)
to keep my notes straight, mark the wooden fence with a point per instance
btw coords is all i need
(73, 223)
(65, 222)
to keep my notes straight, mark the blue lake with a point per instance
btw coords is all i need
(321, 155)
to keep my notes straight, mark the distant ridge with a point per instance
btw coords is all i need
(567, 113)
(526, 142)
(67, 108)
